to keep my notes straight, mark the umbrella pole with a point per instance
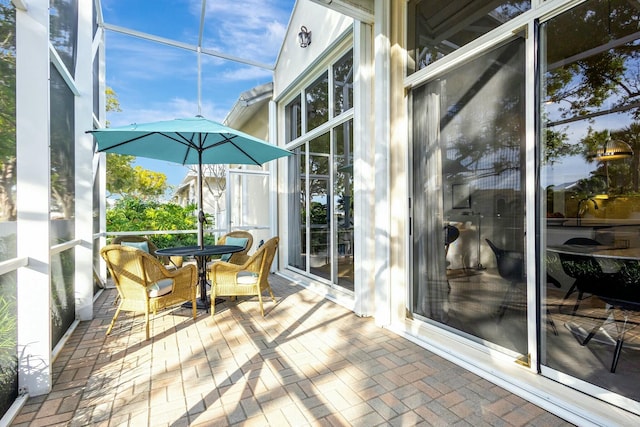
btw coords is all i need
(201, 218)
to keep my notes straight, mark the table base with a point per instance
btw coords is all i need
(202, 305)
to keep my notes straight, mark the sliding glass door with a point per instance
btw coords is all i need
(468, 199)
(590, 194)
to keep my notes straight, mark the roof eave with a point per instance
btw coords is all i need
(248, 101)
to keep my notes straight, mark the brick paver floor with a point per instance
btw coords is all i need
(307, 362)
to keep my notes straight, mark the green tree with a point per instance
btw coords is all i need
(7, 112)
(112, 102)
(123, 178)
(591, 73)
(607, 75)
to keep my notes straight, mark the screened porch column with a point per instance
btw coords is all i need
(364, 171)
(84, 166)
(382, 267)
(33, 174)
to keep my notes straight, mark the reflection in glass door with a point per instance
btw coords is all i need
(343, 206)
(468, 199)
(590, 192)
(321, 206)
(319, 217)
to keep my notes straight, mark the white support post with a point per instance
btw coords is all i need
(382, 114)
(33, 195)
(273, 179)
(84, 165)
(102, 168)
(364, 170)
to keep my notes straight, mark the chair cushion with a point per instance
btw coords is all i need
(247, 278)
(138, 245)
(234, 241)
(160, 288)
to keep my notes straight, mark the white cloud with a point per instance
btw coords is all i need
(254, 30)
(146, 60)
(172, 109)
(244, 74)
(157, 82)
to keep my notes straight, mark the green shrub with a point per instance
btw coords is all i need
(132, 214)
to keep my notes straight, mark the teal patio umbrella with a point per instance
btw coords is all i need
(189, 141)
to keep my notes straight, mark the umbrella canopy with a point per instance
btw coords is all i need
(189, 141)
(184, 140)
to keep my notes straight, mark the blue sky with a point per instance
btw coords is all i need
(158, 82)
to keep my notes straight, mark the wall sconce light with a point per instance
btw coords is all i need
(304, 37)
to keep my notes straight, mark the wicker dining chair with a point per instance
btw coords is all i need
(144, 284)
(250, 278)
(237, 238)
(139, 242)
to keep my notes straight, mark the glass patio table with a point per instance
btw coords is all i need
(202, 255)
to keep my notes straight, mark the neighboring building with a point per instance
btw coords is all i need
(251, 190)
(250, 113)
(214, 185)
(247, 187)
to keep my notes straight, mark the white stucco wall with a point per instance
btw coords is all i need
(325, 25)
(258, 124)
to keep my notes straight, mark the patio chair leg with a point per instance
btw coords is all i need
(591, 334)
(146, 323)
(113, 321)
(575, 307)
(508, 296)
(213, 300)
(619, 344)
(572, 289)
(271, 293)
(616, 355)
(595, 328)
(260, 299)
(551, 323)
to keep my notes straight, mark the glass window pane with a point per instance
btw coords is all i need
(343, 84)
(62, 160)
(293, 117)
(63, 306)
(297, 209)
(343, 205)
(439, 27)
(96, 227)
(319, 219)
(63, 30)
(468, 133)
(317, 98)
(62, 213)
(590, 193)
(96, 87)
